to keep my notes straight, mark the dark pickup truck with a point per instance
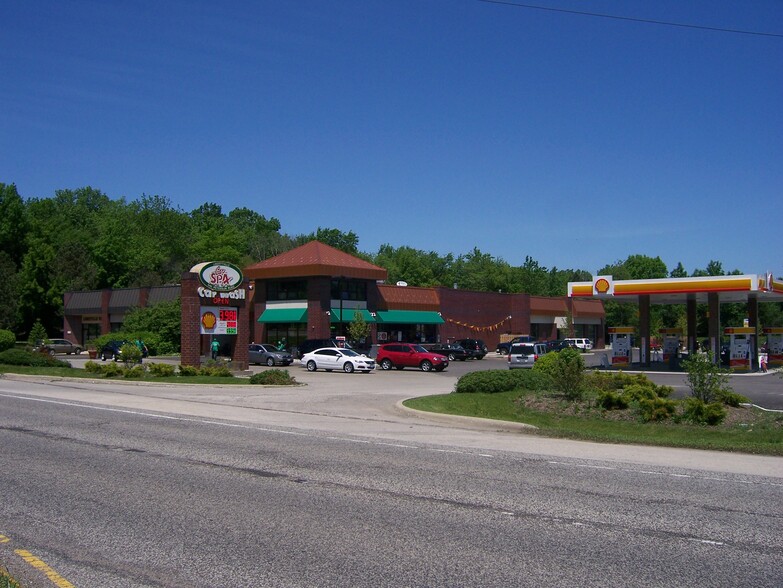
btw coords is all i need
(503, 348)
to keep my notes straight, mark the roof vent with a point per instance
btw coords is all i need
(401, 283)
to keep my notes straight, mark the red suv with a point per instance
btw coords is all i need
(402, 355)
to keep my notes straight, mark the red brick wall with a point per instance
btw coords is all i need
(482, 315)
(191, 313)
(318, 299)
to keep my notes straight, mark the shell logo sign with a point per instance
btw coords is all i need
(603, 286)
(208, 320)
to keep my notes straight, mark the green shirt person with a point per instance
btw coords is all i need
(215, 348)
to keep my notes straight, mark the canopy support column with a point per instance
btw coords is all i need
(644, 330)
(713, 325)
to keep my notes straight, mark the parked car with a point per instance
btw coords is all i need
(559, 345)
(581, 343)
(503, 348)
(475, 347)
(402, 355)
(524, 355)
(112, 350)
(268, 354)
(309, 345)
(453, 351)
(53, 346)
(332, 358)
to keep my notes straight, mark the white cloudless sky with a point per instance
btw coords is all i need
(444, 125)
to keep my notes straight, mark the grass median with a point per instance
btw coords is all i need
(746, 429)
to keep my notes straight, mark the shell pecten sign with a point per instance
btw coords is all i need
(603, 286)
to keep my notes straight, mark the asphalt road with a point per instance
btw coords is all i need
(333, 484)
(131, 498)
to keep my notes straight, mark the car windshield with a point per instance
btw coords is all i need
(419, 349)
(349, 352)
(522, 350)
(269, 348)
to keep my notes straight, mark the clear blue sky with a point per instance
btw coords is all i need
(439, 124)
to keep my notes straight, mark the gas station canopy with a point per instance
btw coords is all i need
(680, 290)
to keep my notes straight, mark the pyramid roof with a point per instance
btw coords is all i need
(314, 259)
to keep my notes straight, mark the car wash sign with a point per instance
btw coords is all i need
(220, 276)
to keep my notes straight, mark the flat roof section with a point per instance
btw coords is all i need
(679, 290)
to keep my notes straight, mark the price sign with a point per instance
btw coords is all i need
(218, 321)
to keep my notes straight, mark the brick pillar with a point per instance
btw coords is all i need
(190, 341)
(318, 298)
(105, 320)
(239, 359)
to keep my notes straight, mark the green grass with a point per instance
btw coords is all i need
(78, 373)
(6, 581)
(762, 433)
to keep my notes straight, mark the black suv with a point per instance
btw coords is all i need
(475, 347)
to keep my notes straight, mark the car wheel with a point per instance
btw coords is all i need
(78, 351)
(348, 367)
(426, 365)
(270, 362)
(386, 364)
(451, 357)
(311, 366)
(103, 356)
(51, 352)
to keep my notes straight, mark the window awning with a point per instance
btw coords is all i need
(409, 317)
(283, 315)
(348, 315)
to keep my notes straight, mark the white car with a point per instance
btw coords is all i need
(582, 343)
(332, 358)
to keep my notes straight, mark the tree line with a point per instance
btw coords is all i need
(84, 240)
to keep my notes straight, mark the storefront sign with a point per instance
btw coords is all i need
(222, 297)
(218, 321)
(220, 276)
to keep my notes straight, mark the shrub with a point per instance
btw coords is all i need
(220, 371)
(188, 370)
(92, 367)
(160, 370)
(273, 378)
(30, 358)
(7, 339)
(567, 373)
(655, 409)
(495, 381)
(611, 400)
(37, 333)
(707, 380)
(131, 354)
(730, 398)
(137, 371)
(701, 413)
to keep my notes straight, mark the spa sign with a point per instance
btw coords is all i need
(220, 276)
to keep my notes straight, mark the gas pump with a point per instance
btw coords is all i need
(740, 347)
(774, 346)
(671, 343)
(620, 339)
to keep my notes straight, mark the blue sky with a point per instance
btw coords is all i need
(443, 125)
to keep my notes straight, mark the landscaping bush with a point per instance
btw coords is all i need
(219, 371)
(731, 398)
(188, 370)
(137, 371)
(567, 370)
(160, 370)
(30, 358)
(611, 400)
(495, 381)
(92, 367)
(698, 412)
(7, 339)
(273, 378)
(707, 380)
(655, 409)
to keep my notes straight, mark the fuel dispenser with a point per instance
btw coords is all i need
(620, 339)
(671, 344)
(774, 346)
(740, 347)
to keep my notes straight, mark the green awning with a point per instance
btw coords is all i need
(348, 315)
(283, 315)
(410, 317)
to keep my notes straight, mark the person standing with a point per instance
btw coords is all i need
(215, 348)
